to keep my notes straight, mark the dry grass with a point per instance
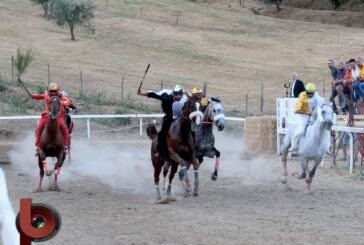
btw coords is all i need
(230, 48)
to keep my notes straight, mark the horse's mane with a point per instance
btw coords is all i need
(215, 99)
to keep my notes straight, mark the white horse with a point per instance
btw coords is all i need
(8, 231)
(313, 145)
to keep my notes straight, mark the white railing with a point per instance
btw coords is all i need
(88, 117)
(349, 130)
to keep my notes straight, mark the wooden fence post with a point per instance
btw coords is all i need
(261, 97)
(49, 75)
(81, 83)
(122, 88)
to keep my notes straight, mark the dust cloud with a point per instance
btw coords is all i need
(122, 167)
(127, 167)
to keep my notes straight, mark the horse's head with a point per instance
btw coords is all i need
(55, 107)
(326, 116)
(215, 113)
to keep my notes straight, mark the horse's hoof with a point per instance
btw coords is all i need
(172, 199)
(309, 192)
(188, 190)
(48, 172)
(284, 179)
(165, 201)
(55, 188)
(38, 190)
(213, 177)
(195, 194)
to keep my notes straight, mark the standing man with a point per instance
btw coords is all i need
(296, 85)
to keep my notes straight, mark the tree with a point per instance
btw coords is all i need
(72, 13)
(336, 3)
(45, 5)
(276, 2)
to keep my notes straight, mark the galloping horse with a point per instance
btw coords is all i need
(204, 137)
(51, 145)
(312, 146)
(180, 148)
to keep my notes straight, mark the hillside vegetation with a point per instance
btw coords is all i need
(217, 42)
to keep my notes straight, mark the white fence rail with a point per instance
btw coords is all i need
(88, 117)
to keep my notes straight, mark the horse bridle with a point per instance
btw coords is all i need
(217, 117)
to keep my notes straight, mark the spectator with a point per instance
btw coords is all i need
(334, 74)
(296, 86)
(358, 78)
(338, 86)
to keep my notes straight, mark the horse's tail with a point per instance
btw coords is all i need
(151, 131)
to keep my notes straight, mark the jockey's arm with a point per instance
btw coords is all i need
(38, 96)
(65, 101)
(159, 96)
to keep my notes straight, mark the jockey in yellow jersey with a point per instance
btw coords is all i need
(303, 112)
(200, 98)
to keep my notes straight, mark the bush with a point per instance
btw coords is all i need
(3, 85)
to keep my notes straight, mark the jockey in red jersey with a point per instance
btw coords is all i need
(53, 90)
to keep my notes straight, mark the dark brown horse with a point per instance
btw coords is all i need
(51, 145)
(180, 147)
(159, 161)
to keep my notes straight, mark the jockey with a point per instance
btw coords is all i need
(53, 90)
(303, 113)
(178, 104)
(167, 97)
(200, 98)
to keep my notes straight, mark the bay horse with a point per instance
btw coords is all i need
(180, 148)
(312, 146)
(203, 134)
(51, 145)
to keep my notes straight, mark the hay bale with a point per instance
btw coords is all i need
(261, 134)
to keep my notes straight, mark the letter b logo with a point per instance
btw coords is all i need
(37, 222)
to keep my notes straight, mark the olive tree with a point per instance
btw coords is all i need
(45, 4)
(73, 13)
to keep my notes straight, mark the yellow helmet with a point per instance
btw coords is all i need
(53, 87)
(310, 87)
(196, 91)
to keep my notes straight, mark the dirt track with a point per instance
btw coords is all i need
(247, 205)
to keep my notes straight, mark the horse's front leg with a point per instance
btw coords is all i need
(304, 167)
(183, 173)
(217, 164)
(284, 162)
(165, 172)
(173, 171)
(312, 173)
(41, 165)
(57, 170)
(196, 165)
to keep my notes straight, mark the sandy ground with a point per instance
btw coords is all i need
(108, 197)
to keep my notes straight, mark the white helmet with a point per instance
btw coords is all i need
(178, 88)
